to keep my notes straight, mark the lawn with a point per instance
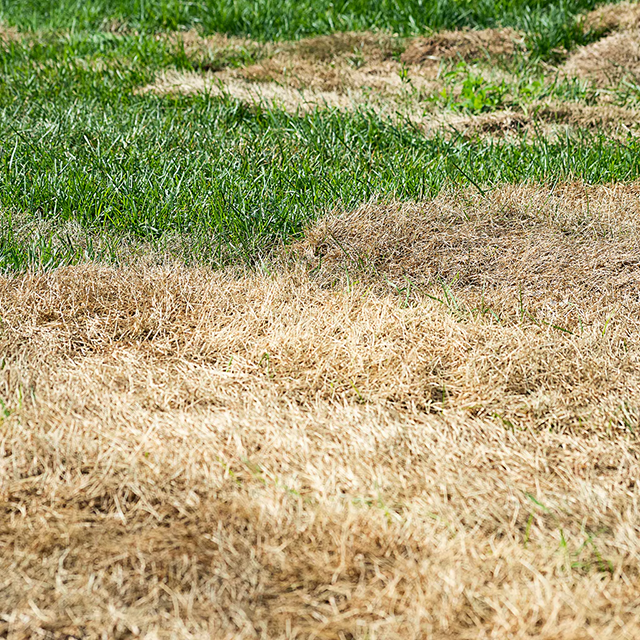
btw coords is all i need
(319, 320)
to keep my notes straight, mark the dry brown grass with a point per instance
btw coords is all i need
(573, 241)
(342, 77)
(552, 117)
(614, 17)
(8, 34)
(198, 454)
(354, 70)
(355, 46)
(609, 60)
(273, 93)
(342, 70)
(343, 63)
(464, 45)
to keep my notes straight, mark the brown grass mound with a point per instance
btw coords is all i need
(197, 454)
(191, 455)
(614, 17)
(341, 62)
(607, 61)
(356, 46)
(289, 98)
(9, 34)
(464, 45)
(550, 117)
(569, 240)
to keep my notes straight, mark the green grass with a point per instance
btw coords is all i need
(235, 180)
(467, 90)
(549, 24)
(78, 147)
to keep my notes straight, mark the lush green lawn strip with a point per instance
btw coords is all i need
(549, 24)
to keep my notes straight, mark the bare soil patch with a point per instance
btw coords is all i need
(224, 454)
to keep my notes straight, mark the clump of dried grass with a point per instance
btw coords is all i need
(515, 236)
(551, 117)
(273, 93)
(355, 46)
(614, 17)
(212, 454)
(464, 44)
(339, 76)
(608, 60)
(342, 62)
(9, 34)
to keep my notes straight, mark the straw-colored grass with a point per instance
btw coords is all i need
(464, 44)
(195, 454)
(349, 71)
(607, 61)
(620, 16)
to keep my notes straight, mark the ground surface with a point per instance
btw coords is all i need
(319, 321)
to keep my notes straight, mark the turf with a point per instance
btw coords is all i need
(240, 179)
(363, 358)
(233, 180)
(189, 453)
(550, 23)
(80, 143)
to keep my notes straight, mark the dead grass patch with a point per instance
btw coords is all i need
(355, 46)
(607, 61)
(343, 77)
(343, 62)
(463, 45)
(340, 70)
(273, 93)
(9, 34)
(621, 16)
(570, 239)
(551, 118)
(197, 453)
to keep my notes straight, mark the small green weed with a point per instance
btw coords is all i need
(477, 95)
